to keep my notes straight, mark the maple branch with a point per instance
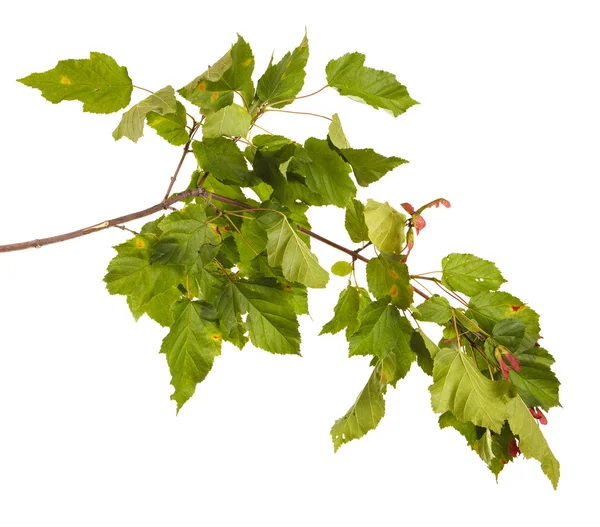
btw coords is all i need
(163, 205)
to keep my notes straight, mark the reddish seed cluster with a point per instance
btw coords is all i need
(537, 414)
(503, 353)
(513, 448)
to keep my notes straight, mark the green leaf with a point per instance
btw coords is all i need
(230, 315)
(429, 344)
(214, 89)
(223, 159)
(170, 126)
(424, 360)
(254, 240)
(191, 347)
(345, 314)
(488, 308)
(187, 236)
(387, 277)
(509, 332)
(233, 120)
(355, 222)
(459, 387)
(285, 79)
(531, 440)
(382, 331)
(365, 413)
(206, 281)
(272, 322)
(379, 89)
(326, 172)
(369, 166)
(467, 430)
(132, 123)
(336, 133)
(386, 226)
(470, 274)
(158, 308)
(341, 268)
(435, 309)
(98, 82)
(133, 273)
(493, 449)
(288, 251)
(536, 383)
(270, 165)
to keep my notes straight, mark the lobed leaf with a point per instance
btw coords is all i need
(377, 88)
(170, 126)
(284, 80)
(459, 387)
(191, 347)
(532, 442)
(288, 251)
(470, 274)
(386, 226)
(98, 82)
(132, 123)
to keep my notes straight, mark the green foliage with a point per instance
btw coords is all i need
(234, 263)
(470, 274)
(386, 226)
(132, 123)
(379, 89)
(98, 82)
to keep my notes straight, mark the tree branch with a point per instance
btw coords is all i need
(163, 205)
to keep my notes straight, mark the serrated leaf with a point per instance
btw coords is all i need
(532, 442)
(132, 273)
(493, 449)
(381, 331)
(368, 166)
(424, 360)
(233, 120)
(158, 308)
(336, 133)
(223, 159)
(252, 241)
(229, 309)
(459, 387)
(468, 430)
(341, 268)
(429, 344)
(270, 164)
(355, 222)
(325, 171)
(536, 383)
(214, 89)
(206, 281)
(387, 277)
(191, 347)
(285, 79)
(386, 226)
(272, 323)
(170, 126)
(488, 308)
(98, 82)
(436, 309)
(509, 332)
(470, 274)
(345, 313)
(132, 123)
(187, 236)
(288, 251)
(365, 413)
(377, 88)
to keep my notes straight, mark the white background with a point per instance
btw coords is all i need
(507, 130)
